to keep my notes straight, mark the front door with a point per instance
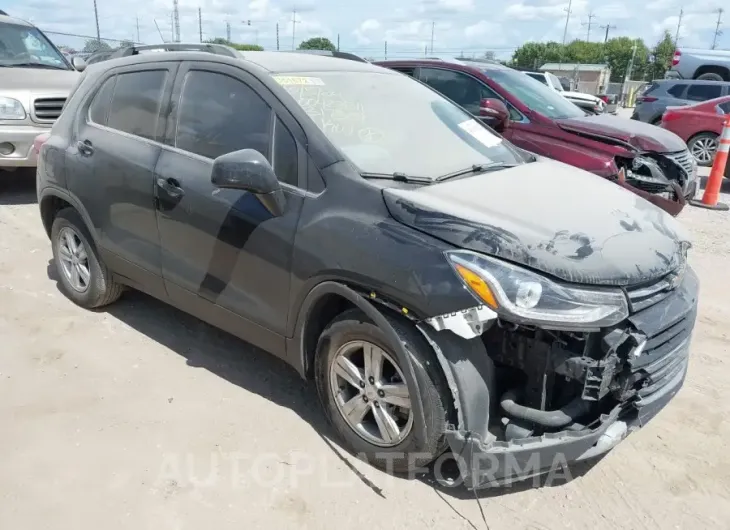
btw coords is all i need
(222, 245)
(112, 161)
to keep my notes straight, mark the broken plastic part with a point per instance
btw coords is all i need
(468, 323)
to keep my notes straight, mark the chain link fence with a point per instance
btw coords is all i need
(74, 43)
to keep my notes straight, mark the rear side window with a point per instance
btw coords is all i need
(99, 108)
(703, 92)
(219, 114)
(677, 90)
(539, 77)
(406, 70)
(285, 155)
(136, 103)
(725, 107)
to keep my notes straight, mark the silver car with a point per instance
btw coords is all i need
(35, 80)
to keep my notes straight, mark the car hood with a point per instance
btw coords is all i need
(580, 95)
(640, 135)
(37, 79)
(551, 217)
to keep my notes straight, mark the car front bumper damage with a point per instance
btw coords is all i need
(645, 365)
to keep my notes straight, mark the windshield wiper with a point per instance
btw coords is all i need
(476, 168)
(35, 65)
(400, 177)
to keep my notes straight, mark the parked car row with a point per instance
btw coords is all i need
(444, 286)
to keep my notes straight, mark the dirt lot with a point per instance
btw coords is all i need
(142, 417)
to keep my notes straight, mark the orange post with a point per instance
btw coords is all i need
(714, 183)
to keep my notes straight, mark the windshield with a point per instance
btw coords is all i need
(555, 82)
(534, 95)
(386, 123)
(27, 46)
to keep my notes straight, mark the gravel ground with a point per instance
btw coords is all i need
(142, 417)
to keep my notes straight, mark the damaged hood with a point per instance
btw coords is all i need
(640, 135)
(551, 217)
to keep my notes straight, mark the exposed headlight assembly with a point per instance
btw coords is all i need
(524, 297)
(11, 109)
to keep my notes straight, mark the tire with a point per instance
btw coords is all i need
(696, 144)
(353, 327)
(711, 76)
(99, 288)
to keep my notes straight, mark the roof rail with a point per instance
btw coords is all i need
(217, 49)
(329, 53)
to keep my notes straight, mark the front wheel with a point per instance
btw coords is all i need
(703, 147)
(362, 387)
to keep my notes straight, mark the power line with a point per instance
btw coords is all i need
(718, 31)
(607, 27)
(591, 16)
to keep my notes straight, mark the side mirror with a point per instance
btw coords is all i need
(78, 63)
(495, 111)
(248, 170)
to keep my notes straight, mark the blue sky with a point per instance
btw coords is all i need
(471, 26)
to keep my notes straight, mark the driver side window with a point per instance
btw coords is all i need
(462, 89)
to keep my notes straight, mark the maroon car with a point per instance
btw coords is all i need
(699, 125)
(655, 162)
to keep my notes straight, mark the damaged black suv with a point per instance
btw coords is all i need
(431, 278)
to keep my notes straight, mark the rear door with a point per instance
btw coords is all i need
(221, 246)
(115, 148)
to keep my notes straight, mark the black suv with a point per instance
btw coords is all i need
(424, 272)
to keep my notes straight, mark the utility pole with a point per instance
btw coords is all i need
(172, 27)
(138, 41)
(433, 26)
(228, 31)
(718, 31)
(200, 24)
(607, 27)
(338, 42)
(277, 36)
(176, 13)
(385, 54)
(591, 16)
(293, 26)
(679, 26)
(159, 31)
(96, 16)
(567, 19)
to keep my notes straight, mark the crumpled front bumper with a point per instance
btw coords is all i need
(502, 463)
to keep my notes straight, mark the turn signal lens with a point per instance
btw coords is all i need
(477, 285)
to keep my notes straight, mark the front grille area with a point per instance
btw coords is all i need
(667, 325)
(684, 160)
(47, 110)
(643, 296)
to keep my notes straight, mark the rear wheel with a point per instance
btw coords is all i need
(362, 387)
(711, 76)
(703, 147)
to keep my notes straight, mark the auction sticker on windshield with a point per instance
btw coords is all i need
(480, 133)
(297, 80)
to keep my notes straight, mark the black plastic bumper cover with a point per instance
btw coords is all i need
(502, 463)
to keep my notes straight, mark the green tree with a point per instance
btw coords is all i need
(663, 53)
(93, 45)
(618, 54)
(235, 45)
(318, 43)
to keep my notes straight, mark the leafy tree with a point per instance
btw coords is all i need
(663, 53)
(237, 46)
(93, 45)
(618, 55)
(318, 43)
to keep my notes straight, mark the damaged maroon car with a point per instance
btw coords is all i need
(652, 162)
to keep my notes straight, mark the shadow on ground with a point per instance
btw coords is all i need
(17, 187)
(254, 370)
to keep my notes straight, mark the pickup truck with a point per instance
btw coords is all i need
(693, 63)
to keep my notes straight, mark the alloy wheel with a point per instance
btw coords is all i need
(74, 259)
(371, 394)
(703, 149)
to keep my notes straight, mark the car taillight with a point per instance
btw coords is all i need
(669, 116)
(39, 141)
(677, 56)
(645, 99)
(604, 98)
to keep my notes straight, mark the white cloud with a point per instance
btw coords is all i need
(481, 29)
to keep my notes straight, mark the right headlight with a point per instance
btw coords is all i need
(11, 109)
(525, 297)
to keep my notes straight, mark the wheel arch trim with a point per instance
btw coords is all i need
(53, 192)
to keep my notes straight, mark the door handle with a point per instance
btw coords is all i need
(85, 147)
(171, 186)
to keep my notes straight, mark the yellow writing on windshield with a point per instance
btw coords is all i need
(296, 80)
